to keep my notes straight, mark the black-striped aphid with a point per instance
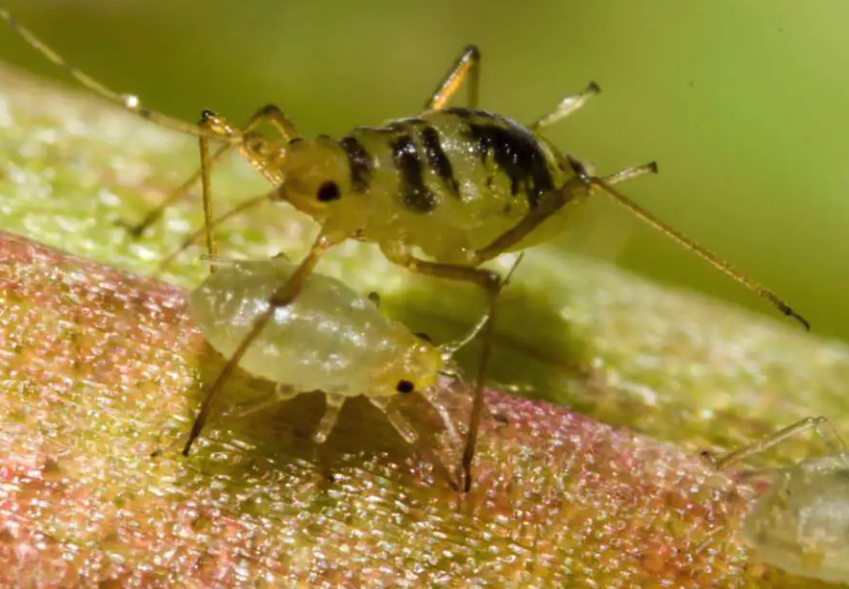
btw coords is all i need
(461, 185)
(801, 522)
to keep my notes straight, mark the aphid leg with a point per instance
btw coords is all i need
(566, 107)
(280, 298)
(206, 189)
(433, 399)
(328, 420)
(403, 427)
(208, 227)
(269, 113)
(468, 64)
(282, 392)
(684, 241)
(491, 282)
(820, 424)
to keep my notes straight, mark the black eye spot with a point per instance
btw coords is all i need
(328, 191)
(404, 386)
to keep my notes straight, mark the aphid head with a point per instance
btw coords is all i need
(414, 370)
(316, 177)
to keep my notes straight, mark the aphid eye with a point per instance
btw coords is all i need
(404, 386)
(328, 191)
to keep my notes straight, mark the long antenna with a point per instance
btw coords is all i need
(697, 249)
(129, 102)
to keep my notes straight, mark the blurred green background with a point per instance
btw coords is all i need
(742, 103)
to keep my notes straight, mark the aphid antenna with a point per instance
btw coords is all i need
(684, 241)
(129, 102)
(820, 424)
(449, 349)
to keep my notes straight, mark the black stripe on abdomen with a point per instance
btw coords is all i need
(413, 193)
(360, 162)
(437, 160)
(517, 154)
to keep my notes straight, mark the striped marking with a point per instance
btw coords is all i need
(437, 160)
(414, 194)
(360, 162)
(517, 154)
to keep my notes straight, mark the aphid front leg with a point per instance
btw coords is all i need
(280, 298)
(216, 125)
(468, 64)
(433, 399)
(403, 427)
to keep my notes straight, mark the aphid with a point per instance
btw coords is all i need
(329, 339)
(801, 523)
(461, 185)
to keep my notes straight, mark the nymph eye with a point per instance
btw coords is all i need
(404, 386)
(328, 192)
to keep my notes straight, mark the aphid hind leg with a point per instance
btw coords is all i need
(215, 124)
(551, 204)
(820, 424)
(468, 64)
(281, 297)
(687, 243)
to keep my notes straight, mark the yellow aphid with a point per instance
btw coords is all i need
(460, 185)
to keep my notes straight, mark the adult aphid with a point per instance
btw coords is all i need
(329, 339)
(461, 185)
(801, 522)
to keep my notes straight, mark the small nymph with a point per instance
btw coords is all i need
(801, 522)
(329, 339)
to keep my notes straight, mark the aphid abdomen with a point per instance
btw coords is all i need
(801, 523)
(322, 341)
(452, 181)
